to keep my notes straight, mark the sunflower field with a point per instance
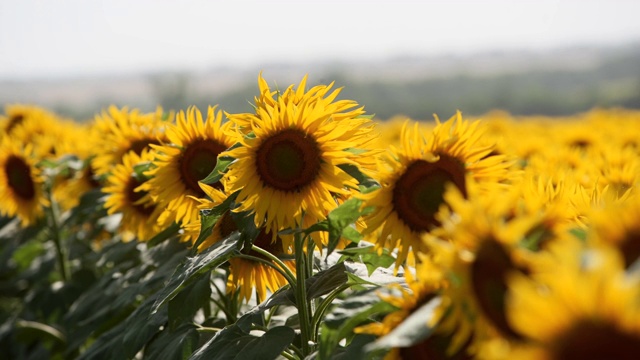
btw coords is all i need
(306, 228)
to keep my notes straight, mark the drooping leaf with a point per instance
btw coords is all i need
(234, 343)
(196, 266)
(141, 326)
(184, 306)
(208, 218)
(173, 344)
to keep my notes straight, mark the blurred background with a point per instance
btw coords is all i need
(394, 57)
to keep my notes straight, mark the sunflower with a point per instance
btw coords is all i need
(413, 179)
(618, 225)
(423, 287)
(587, 309)
(189, 156)
(21, 184)
(288, 170)
(119, 131)
(139, 212)
(245, 275)
(481, 241)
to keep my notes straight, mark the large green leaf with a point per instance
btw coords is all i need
(196, 266)
(234, 343)
(141, 326)
(178, 344)
(184, 306)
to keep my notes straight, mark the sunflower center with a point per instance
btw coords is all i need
(595, 340)
(630, 247)
(198, 160)
(19, 177)
(489, 281)
(419, 192)
(288, 160)
(133, 197)
(138, 146)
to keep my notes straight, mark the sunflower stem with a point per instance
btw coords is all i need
(288, 356)
(54, 229)
(302, 303)
(324, 305)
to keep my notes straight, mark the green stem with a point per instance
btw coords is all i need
(288, 356)
(301, 295)
(55, 234)
(324, 305)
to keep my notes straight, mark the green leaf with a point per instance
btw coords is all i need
(325, 281)
(196, 266)
(140, 169)
(369, 256)
(365, 183)
(177, 344)
(184, 306)
(165, 234)
(411, 331)
(141, 326)
(208, 218)
(222, 164)
(337, 221)
(234, 343)
(346, 316)
(579, 233)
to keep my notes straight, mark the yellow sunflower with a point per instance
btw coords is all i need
(21, 184)
(413, 179)
(618, 225)
(189, 156)
(139, 212)
(288, 170)
(119, 131)
(423, 287)
(245, 275)
(587, 309)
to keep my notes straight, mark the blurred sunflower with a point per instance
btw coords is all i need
(618, 225)
(588, 309)
(288, 169)
(189, 156)
(413, 179)
(423, 287)
(139, 212)
(245, 275)
(21, 184)
(119, 131)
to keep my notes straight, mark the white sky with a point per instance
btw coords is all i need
(79, 37)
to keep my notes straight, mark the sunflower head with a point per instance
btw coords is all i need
(190, 154)
(139, 212)
(289, 169)
(414, 177)
(21, 183)
(120, 131)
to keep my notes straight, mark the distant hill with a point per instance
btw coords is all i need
(554, 82)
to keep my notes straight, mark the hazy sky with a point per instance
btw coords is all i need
(76, 37)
